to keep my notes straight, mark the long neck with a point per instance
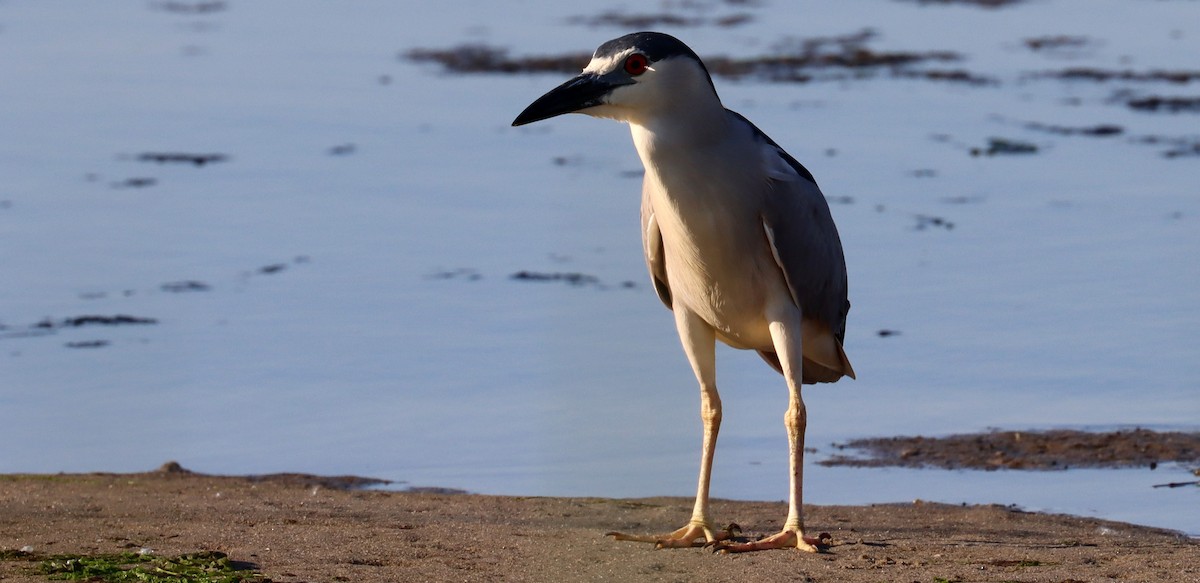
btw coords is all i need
(684, 134)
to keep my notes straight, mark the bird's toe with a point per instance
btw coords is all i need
(782, 540)
(695, 534)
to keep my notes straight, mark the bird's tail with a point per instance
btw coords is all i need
(824, 359)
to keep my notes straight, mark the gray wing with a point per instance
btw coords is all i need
(809, 251)
(804, 237)
(804, 241)
(806, 246)
(652, 246)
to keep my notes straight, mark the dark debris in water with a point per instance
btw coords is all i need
(791, 61)
(48, 326)
(479, 58)
(849, 51)
(187, 285)
(573, 278)
(647, 21)
(1102, 75)
(1177, 147)
(679, 14)
(137, 182)
(94, 320)
(277, 268)
(182, 158)
(977, 3)
(179, 7)
(1024, 450)
(954, 75)
(733, 20)
(1004, 146)
(272, 268)
(88, 344)
(962, 199)
(1056, 42)
(929, 221)
(1097, 131)
(465, 273)
(1165, 104)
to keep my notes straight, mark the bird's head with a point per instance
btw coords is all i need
(629, 79)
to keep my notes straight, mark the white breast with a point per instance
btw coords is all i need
(707, 204)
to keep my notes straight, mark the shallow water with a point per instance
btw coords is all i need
(1063, 296)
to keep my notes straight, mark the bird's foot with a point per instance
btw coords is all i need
(695, 534)
(786, 539)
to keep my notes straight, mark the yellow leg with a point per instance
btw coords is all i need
(785, 334)
(699, 343)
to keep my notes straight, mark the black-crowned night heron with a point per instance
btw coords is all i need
(738, 238)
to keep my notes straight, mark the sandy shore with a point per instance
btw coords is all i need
(299, 528)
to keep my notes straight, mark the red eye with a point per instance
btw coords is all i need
(636, 64)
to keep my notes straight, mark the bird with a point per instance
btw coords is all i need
(739, 242)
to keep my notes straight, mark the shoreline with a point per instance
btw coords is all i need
(297, 527)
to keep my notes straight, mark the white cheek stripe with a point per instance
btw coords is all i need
(603, 65)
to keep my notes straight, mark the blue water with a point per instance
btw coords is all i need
(1063, 296)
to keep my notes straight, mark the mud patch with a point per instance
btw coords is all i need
(1023, 450)
(346, 482)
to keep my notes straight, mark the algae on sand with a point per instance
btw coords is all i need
(201, 567)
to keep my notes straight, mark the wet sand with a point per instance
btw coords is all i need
(295, 528)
